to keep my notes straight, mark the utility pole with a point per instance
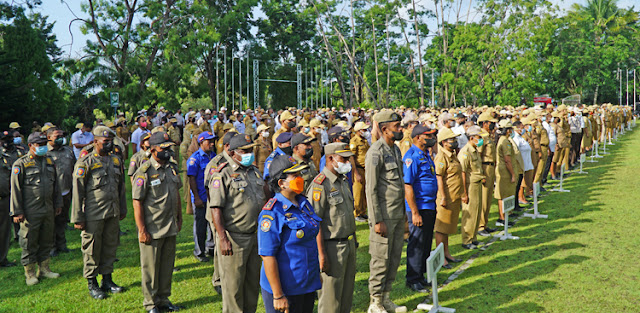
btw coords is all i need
(626, 73)
(620, 89)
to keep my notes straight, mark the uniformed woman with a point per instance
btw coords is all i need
(263, 147)
(290, 274)
(449, 176)
(505, 173)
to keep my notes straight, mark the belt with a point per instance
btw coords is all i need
(488, 163)
(341, 239)
(358, 166)
(544, 145)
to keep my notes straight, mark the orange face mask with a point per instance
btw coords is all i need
(297, 185)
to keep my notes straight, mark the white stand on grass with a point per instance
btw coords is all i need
(508, 204)
(604, 147)
(594, 152)
(583, 158)
(560, 189)
(434, 263)
(536, 192)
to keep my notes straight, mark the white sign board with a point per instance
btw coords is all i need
(434, 263)
(508, 204)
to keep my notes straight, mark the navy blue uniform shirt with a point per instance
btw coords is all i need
(420, 173)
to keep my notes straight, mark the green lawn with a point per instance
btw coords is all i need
(582, 259)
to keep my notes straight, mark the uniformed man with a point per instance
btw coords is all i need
(263, 146)
(35, 200)
(202, 235)
(316, 132)
(302, 153)
(236, 195)
(64, 160)
(331, 198)
(6, 161)
(421, 188)
(228, 127)
(13, 147)
(99, 203)
(409, 121)
(158, 214)
(385, 203)
(174, 133)
(288, 122)
(359, 145)
(488, 155)
(472, 180)
(283, 148)
(138, 158)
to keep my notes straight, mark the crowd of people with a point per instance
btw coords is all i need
(276, 195)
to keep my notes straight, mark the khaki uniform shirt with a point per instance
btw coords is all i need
(471, 163)
(331, 198)
(359, 146)
(238, 192)
(262, 151)
(274, 144)
(136, 161)
(98, 188)
(405, 142)
(64, 159)
(384, 182)
(450, 169)
(34, 187)
(123, 133)
(156, 186)
(317, 149)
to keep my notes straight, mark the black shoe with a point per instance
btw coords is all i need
(425, 283)
(489, 229)
(94, 289)
(109, 286)
(218, 289)
(53, 253)
(417, 287)
(518, 209)
(484, 233)
(542, 189)
(6, 263)
(454, 260)
(500, 223)
(170, 307)
(513, 215)
(201, 258)
(63, 250)
(478, 243)
(469, 246)
(447, 266)
(154, 310)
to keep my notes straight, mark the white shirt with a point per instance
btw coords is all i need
(239, 126)
(574, 124)
(80, 137)
(180, 119)
(553, 140)
(462, 138)
(135, 137)
(525, 151)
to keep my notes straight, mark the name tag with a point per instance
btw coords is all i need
(155, 182)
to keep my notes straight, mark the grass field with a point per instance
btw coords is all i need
(582, 259)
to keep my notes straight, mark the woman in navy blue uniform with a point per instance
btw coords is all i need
(290, 274)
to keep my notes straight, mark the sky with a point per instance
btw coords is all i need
(72, 41)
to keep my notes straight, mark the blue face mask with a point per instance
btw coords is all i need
(513, 134)
(17, 140)
(247, 159)
(544, 118)
(41, 150)
(530, 128)
(480, 142)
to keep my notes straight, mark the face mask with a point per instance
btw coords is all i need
(492, 126)
(397, 136)
(343, 168)
(64, 141)
(107, 147)
(430, 142)
(143, 124)
(297, 185)
(513, 134)
(544, 118)
(291, 124)
(366, 135)
(215, 117)
(452, 123)
(344, 139)
(454, 145)
(529, 129)
(265, 134)
(287, 150)
(247, 159)
(307, 130)
(58, 142)
(480, 142)
(164, 155)
(432, 126)
(308, 153)
(17, 140)
(41, 150)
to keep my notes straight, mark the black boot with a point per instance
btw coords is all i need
(109, 286)
(95, 290)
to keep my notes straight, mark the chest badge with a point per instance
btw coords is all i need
(300, 233)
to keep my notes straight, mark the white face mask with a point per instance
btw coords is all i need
(366, 134)
(265, 134)
(452, 123)
(433, 126)
(343, 168)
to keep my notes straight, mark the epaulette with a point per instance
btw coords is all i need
(319, 179)
(49, 161)
(145, 166)
(116, 160)
(84, 153)
(220, 167)
(269, 205)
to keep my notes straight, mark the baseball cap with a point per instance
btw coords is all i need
(385, 116)
(227, 137)
(205, 136)
(338, 148)
(240, 142)
(300, 138)
(160, 139)
(284, 137)
(37, 137)
(445, 134)
(102, 131)
(284, 164)
(420, 129)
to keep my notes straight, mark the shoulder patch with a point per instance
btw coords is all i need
(49, 161)
(408, 162)
(80, 171)
(319, 179)
(216, 182)
(133, 163)
(145, 166)
(16, 170)
(220, 167)
(192, 161)
(83, 153)
(317, 192)
(269, 205)
(140, 181)
(265, 225)
(116, 161)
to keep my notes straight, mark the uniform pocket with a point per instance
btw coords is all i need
(391, 170)
(32, 178)
(99, 178)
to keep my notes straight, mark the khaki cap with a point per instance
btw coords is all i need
(262, 127)
(285, 116)
(474, 131)
(446, 133)
(360, 126)
(486, 117)
(386, 115)
(505, 124)
(102, 131)
(14, 125)
(315, 123)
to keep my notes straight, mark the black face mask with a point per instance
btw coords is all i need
(308, 153)
(287, 150)
(492, 126)
(430, 142)
(291, 124)
(454, 145)
(344, 139)
(164, 155)
(397, 136)
(107, 147)
(58, 142)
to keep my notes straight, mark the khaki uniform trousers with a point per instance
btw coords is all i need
(240, 273)
(36, 238)
(100, 240)
(471, 213)
(336, 295)
(359, 197)
(156, 263)
(541, 164)
(385, 256)
(215, 279)
(487, 194)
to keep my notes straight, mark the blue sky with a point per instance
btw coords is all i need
(71, 39)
